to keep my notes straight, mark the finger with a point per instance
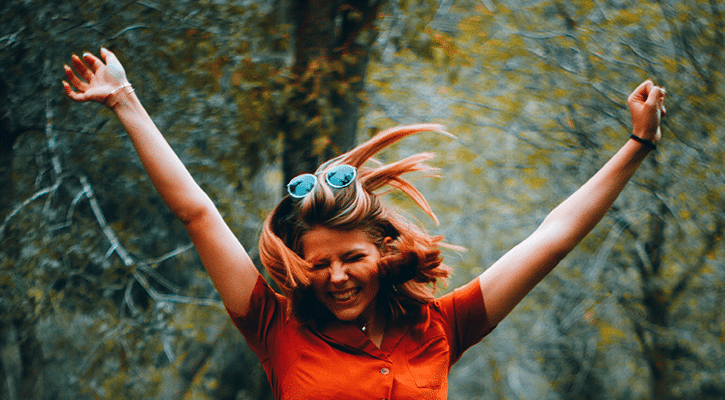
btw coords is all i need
(82, 68)
(106, 54)
(642, 91)
(72, 94)
(94, 62)
(73, 79)
(67, 88)
(654, 97)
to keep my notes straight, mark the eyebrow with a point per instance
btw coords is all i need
(353, 251)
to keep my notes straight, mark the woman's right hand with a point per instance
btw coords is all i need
(647, 107)
(100, 80)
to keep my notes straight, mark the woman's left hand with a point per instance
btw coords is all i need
(99, 79)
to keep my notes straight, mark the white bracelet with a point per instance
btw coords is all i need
(110, 95)
(121, 87)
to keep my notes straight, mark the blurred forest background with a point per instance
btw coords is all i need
(101, 295)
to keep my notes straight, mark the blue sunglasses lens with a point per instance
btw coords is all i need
(337, 177)
(299, 186)
(340, 176)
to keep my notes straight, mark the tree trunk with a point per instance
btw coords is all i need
(656, 304)
(329, 73)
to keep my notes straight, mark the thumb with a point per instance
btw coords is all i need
(654, 97)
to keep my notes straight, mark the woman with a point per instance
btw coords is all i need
(358, 317)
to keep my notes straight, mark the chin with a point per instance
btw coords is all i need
(346, 315)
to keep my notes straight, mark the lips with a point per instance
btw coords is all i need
(344, 295)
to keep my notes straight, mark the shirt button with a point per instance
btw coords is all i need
(385, 371)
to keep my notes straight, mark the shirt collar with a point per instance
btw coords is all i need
(347, 335)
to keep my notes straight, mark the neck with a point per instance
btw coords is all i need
(365, 323)
(373, 326)
(367, 319)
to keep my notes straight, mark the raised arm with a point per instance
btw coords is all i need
(227, 263)
(509, 279)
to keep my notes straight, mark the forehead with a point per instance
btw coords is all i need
(322, 242)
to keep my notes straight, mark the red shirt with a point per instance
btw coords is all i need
(337, 361)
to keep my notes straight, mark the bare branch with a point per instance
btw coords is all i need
(49, 133)
(172, 298)
(71, 210)
(636, 52)
(168, 350)
(146, 266)
(712, 239)
(115, 331)
(646, 270)
(586, 366)
(110, 234)
(131, 360)
(168, 255)
(35, 196)
(158, 278)
(126, 29)
(128, 298)
(10, 38)
(596, 264)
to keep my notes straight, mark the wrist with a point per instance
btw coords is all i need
(650, 144)
(117, 95)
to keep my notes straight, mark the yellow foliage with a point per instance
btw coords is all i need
(626, 17)
(670, 64)
(534, 181)
(36, 294)
(482, 9)
(438, 56)
(464, 155)
(586, 5)
(610, 334)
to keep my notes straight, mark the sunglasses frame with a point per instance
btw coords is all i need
(299, 179)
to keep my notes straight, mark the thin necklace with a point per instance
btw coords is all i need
(365, 327)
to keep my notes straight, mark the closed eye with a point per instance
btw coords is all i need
(355, 258)
(319, 266)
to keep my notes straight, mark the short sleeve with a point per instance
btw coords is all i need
(466, 316)
(264, 319)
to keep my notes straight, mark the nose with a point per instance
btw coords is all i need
(338, 273)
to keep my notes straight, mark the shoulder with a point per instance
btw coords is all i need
(266, 317)
(467, 298)
(264, 300)
(462, 313)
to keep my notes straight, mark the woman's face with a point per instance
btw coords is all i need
(344, 271)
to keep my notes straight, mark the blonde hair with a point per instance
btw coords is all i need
(410, 266)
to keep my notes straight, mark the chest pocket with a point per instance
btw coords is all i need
(428, 361)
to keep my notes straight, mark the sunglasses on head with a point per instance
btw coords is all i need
(337, 177)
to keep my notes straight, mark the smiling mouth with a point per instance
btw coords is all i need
(346, 295)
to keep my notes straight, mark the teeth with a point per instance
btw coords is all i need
(345, 295)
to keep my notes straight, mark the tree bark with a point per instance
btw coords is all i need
(329, 74)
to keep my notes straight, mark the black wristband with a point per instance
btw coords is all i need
(645, 142)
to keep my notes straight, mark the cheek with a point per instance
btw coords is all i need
(317, 280)
(372, 279)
